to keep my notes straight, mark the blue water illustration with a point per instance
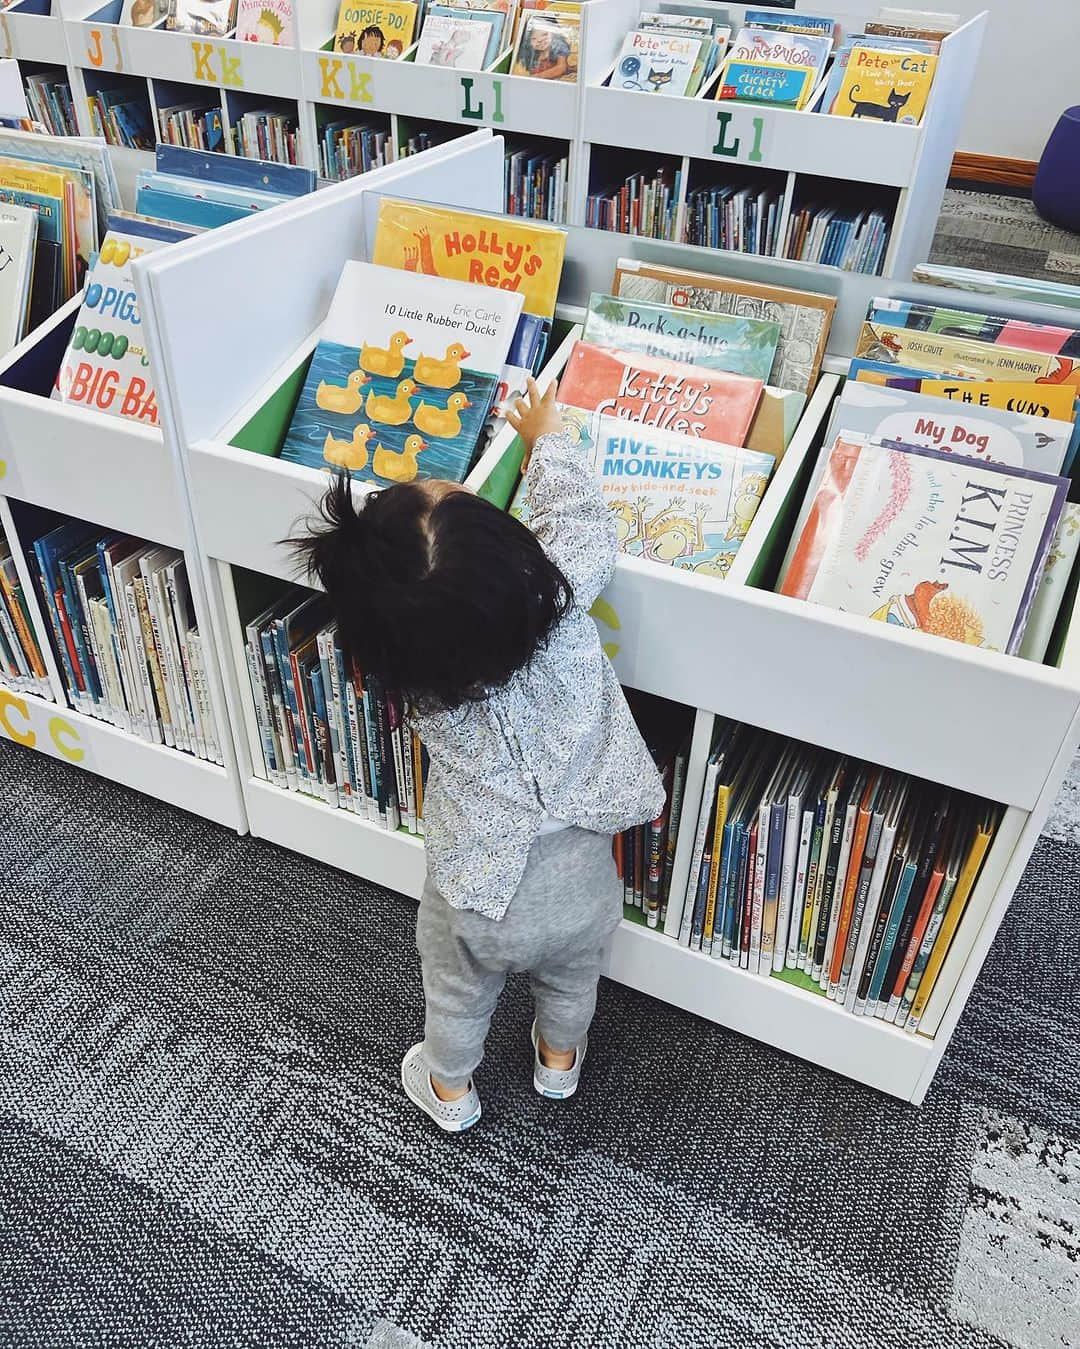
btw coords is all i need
(443, 455)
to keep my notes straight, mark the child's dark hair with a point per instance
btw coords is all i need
(442, 596)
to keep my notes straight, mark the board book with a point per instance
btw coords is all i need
(403, 377)
(742, 346)
(927, 541)
(803, 316)
(525, 258)
(943, 424)
(665, 395)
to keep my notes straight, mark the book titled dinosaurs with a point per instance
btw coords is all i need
(663, 395)
(926, 541)
(403, 376)
(488, 250)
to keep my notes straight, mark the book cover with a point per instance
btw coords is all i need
(889, 86)
(804, 317)
(18, 240)
(741, 346)
(493, 17)
(381, 29)
(1010, 332)
(774, 46)
(663, 395)
(657, 63)
(778, 86)
(526, 258)
(1057, 402)
(943, 424)
(1054, 584)
(453, 42)
(927, 541)
(205, 18)
(403, 376)
(843, 55)
(936, 353)
(144, 13)
(269, 21)
(548, 47)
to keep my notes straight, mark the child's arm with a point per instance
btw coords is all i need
(567, 511)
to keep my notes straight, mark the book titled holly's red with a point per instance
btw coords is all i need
(689, 399)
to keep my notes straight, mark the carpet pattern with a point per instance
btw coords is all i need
(203, 1140)
(999, 232)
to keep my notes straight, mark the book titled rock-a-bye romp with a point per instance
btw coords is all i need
(928, 542)
(403, 376)
(665, 395)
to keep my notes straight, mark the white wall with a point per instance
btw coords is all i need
(1029, 73)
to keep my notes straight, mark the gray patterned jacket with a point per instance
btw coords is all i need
(558, 738)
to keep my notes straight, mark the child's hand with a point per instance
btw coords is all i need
(534, 416)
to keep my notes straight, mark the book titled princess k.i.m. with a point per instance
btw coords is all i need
(708, 404)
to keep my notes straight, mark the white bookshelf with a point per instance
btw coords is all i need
(123, 477)
(721, 648)
(603, 129)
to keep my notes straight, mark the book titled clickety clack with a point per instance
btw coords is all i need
(663, 395)
(927, 541)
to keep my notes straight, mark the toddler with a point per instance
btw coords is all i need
(483, 626)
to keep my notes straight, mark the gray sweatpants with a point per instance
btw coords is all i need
(557, 926)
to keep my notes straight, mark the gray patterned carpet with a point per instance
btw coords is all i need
(1002, 232)
(202, 1139)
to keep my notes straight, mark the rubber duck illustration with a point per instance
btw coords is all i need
(388, 361)
(351, 454)
(442, 374)
(445, 423)
(399, 467)
(391, 411)
(347, 400)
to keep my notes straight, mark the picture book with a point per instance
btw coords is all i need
(790, 23)
(843, 55)
(779, 86)
(742, 346)
(803, 316)
(935, 353)
(548, 46)
(942, 424)
(463, 246)
(453, 41)
(927, 541)
(664, 395)
(205, 18)
(889, 86)
(403, 376)
(18, 238)
(927, 27)
(676, 499)
(774, 46)
(658, 63)
(1053, 585)
(1054, 401)
(144, 13)
(383, 28)
(269, 21)
(107, 366)
(933, 318)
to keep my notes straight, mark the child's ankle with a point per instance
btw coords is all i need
(448, 1093)
(561, 1061)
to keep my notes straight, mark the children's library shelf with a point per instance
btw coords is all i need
(725, 648)
(120, 476)
(589, 115)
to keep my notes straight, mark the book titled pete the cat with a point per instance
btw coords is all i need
(666, 395)
(742, 346)
(403, 377)
(931, 542)
(889, 86)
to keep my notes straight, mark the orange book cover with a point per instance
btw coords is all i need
(687, 399)
(851, 883)
(921, 920)
(843, 457)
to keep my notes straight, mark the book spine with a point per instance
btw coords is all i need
(175, 591)
(792, 826)
(639, 867)
(858, 917)
(169, 663)
(153, 662)
(656, 848)
(264, 715)
(366, 703)
(761, 862)
(773, 870)
(340, 727)
(140, 662)
(320, 723)
(678, 789)
(840, 891)
(701, 900)
(331, 709)
(692, 884)
(793, 958)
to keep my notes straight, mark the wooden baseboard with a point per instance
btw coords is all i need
(994, 171)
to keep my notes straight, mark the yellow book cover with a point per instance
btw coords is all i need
(383, 28)
(937, 353)
(1053, 401)
(20, 177)
(889, 86)
(951, 921)
(486, 250)
(723, 797)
